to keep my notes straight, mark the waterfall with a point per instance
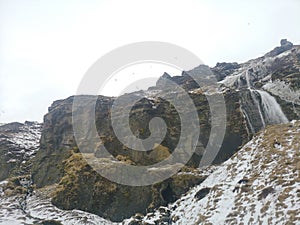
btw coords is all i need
(248, 120)
(255, 99)
(273, 113)
(260, 108)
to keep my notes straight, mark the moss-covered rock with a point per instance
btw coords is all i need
(83, 188)
(57, 137)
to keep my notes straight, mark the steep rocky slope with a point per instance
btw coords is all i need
(18, 144)
(252, 103)
(257, 93)
(260, 184)
(58, 138)
(266, 81)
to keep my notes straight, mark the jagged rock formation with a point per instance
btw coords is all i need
(257, 93)
(57, 141)
(258, 185)
(252, 103)
(284, 46)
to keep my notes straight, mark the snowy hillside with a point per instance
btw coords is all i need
(258, 185)
(38, 209)
(18, 144)
(18, 204)
(25, 137)
(257, 182)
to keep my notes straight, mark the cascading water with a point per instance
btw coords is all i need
(255, 98)
(263, 109)
(273, 113)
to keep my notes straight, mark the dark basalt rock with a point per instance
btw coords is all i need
(50, 222)
(285, 45)
(222, 70)
(265, 192)
(86, 190)
(202, 193)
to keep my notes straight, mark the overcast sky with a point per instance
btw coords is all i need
(47, 46)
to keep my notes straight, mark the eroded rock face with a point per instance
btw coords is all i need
(261, 80)
(83, 188)
(57, 137)
(248, 95)
(80, 187)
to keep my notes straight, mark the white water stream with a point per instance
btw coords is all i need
(269, 110)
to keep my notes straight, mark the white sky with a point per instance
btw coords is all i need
(47, 46)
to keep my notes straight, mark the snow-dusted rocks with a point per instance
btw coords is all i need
(259, 185)
(18, 144)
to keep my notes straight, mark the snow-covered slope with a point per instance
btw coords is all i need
(18, 144)
(259, 185)
(38, 209)
(25, 137)
(18, 204)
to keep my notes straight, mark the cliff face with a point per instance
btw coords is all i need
(83, 188)
(257, 93)
(253, 101)
(57, 138)
(258, 184)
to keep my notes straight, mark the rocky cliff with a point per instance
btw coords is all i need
(252, 103)
(258, 185)
(258, 93)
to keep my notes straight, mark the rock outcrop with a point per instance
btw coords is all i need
(252, 103)
(284, 46)
(83, 188)
(257, 93)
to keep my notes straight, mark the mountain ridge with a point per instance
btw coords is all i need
(247, 105)
(258, 93)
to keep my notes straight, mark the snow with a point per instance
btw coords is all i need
(226, 178)
(40, 208)
(282, 55)
(283, 90)
(22, 143)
